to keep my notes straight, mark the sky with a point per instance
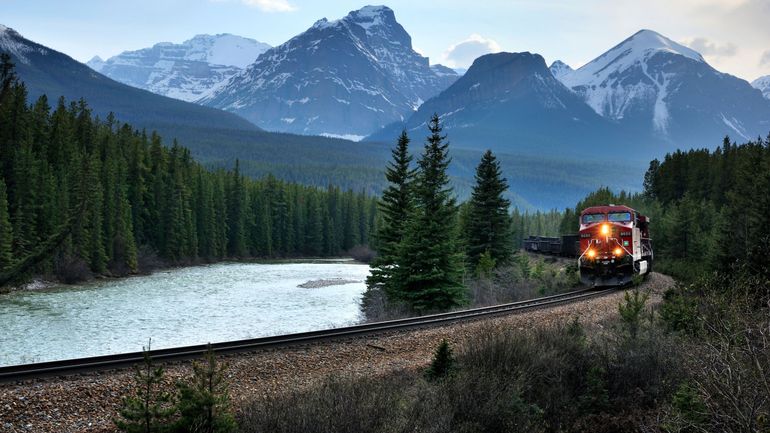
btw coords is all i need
(732, 35)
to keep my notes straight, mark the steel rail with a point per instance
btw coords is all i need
(107, 362)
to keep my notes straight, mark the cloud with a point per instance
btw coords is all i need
(462, 54)
(765, 60)
(708, 48)
(271, 5)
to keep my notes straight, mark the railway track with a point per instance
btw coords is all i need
(107, 362)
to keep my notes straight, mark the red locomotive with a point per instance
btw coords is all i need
(615, 245)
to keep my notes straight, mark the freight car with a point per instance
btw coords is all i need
(613, 245)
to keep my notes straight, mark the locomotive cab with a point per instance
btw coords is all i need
(615, 245)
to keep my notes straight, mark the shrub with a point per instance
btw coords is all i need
(150, 409)
(204, 403)
(631, 310)
(362, 253)
(443, 364)
(71, 269)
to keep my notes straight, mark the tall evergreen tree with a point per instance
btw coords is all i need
(6, 233)
(395, 206)
(429, 265)
(488, 228)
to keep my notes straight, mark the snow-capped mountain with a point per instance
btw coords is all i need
(649, 83)
(183, 71)
(341, 78)
(510, 102)
(763, 84)
(560, 69)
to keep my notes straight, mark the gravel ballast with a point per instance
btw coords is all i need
(89, 402)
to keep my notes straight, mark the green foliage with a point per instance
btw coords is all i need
(395, 207)
(679, 311)
(631, 310)
(149, 409)
(443, 364)
(204, 403)
(488, 226)
(535, 223)
(596, 397)
(429, 265)
(689, 408)
(486, 265)
(6, 234)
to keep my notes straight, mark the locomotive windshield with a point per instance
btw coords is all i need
(619, 216)
(593, 218)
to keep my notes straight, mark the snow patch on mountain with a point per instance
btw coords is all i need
(763, 84)
(184, 71)
(621, 79)
(12, 42)
(360, 73)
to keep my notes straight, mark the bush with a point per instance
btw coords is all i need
(443, 364)
(362, 253)
(631, 310)
(71, 269)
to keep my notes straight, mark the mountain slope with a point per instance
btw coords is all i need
(650, 83)
(763, 84)
(183, 71)
(46, 71)
(346, 77)
(510, 102)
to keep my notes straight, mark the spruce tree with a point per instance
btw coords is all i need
(429, 265)
(488, 226)
(204, 403)
(6, 233)
(395, 206)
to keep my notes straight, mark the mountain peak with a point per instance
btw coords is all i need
(560, 69)
(650, 40)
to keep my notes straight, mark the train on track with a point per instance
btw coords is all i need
(612, 246)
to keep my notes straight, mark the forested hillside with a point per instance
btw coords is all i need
(79, 195)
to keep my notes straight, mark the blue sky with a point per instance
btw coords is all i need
(733, 35)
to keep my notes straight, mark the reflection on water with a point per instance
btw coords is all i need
(179, 307)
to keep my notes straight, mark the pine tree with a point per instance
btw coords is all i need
(204, 403)
(149, 410)
(6, 233)
(429, 266)
(488, 227)
(395, 206)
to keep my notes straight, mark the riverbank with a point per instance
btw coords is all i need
(89, 402)
(47, 282)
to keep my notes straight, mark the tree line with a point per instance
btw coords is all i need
(115, 198)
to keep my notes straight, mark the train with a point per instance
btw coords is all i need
(613, 245)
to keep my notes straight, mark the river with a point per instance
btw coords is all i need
(177, 307)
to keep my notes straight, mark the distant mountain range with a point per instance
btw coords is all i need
(183, 71)
(347, 78)
(649, 95)
(554, 128)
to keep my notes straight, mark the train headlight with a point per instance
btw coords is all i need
(605, 230)
(617, 251)
(591, 254)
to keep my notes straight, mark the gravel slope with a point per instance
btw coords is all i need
(89, 402)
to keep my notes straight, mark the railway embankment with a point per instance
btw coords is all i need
(89, 402)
